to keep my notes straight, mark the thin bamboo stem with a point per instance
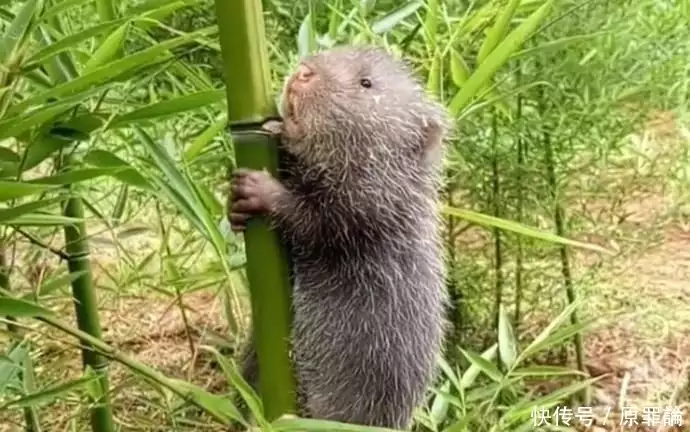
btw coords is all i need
(560, 229)
(520, 203)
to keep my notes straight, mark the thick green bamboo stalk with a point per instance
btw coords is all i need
(242, 40)
(86, 307)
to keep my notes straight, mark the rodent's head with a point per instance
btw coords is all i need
(350, 100)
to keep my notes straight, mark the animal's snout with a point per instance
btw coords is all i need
(304, 73)
(302, 77)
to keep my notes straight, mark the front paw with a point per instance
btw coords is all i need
(254, 193)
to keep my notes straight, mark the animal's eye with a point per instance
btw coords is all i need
(365, 83)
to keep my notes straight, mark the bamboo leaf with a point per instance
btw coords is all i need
(50, 285)
(69, 42)
(521, 411)
(108, 50)
(440, 405)
(472, 372)
(170, 107)
(431, 23)
(248, 394)
(21, 308)
(7, 155)
(544, 371)
(433, 84)
(498, 30)
(394, 18)
(556, 44)
(15, 34)
(459, 71)
(508, 225)
(111, 71)
(126, 173)
(74, 176)
(222, 408)
(10, 190)
(10, 364)
(543, 336)
(200, 142)
(49, 395)
(484, 365)
(498, 57)
(306, 38)
(40, 219)
(16, 211)
(13, 126)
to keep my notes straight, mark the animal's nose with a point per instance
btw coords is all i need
(304, 73)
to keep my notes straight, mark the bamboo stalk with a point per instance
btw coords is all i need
(560, 229)
(520, 203)
(86, 307)
(242, 40)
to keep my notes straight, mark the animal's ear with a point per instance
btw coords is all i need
(433, 131)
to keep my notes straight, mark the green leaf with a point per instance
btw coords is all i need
(178, 188)
(7, 155)
(50, 285)
(170, 107)
(10, 365)
(108, 49)
(74, 176)
(484, 365)
(200, 142)
(508, 225)
(520, 412)
(544, 371)
(248, 394)
(126, 173)
(49, 395)
(394, 18)
(306, 38)
(40, 219)
(431, 23)
(507, 344)
(10, 190)
(15, 34)
(544, 335)
(459, 71)
(498, 58)
(111, 71)
(473, 371)
(218, 406)
(558, 43)
(440, 405)
(20, 308)
(13, 126)
(69, 42)
(499, 29)
(16, 211)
